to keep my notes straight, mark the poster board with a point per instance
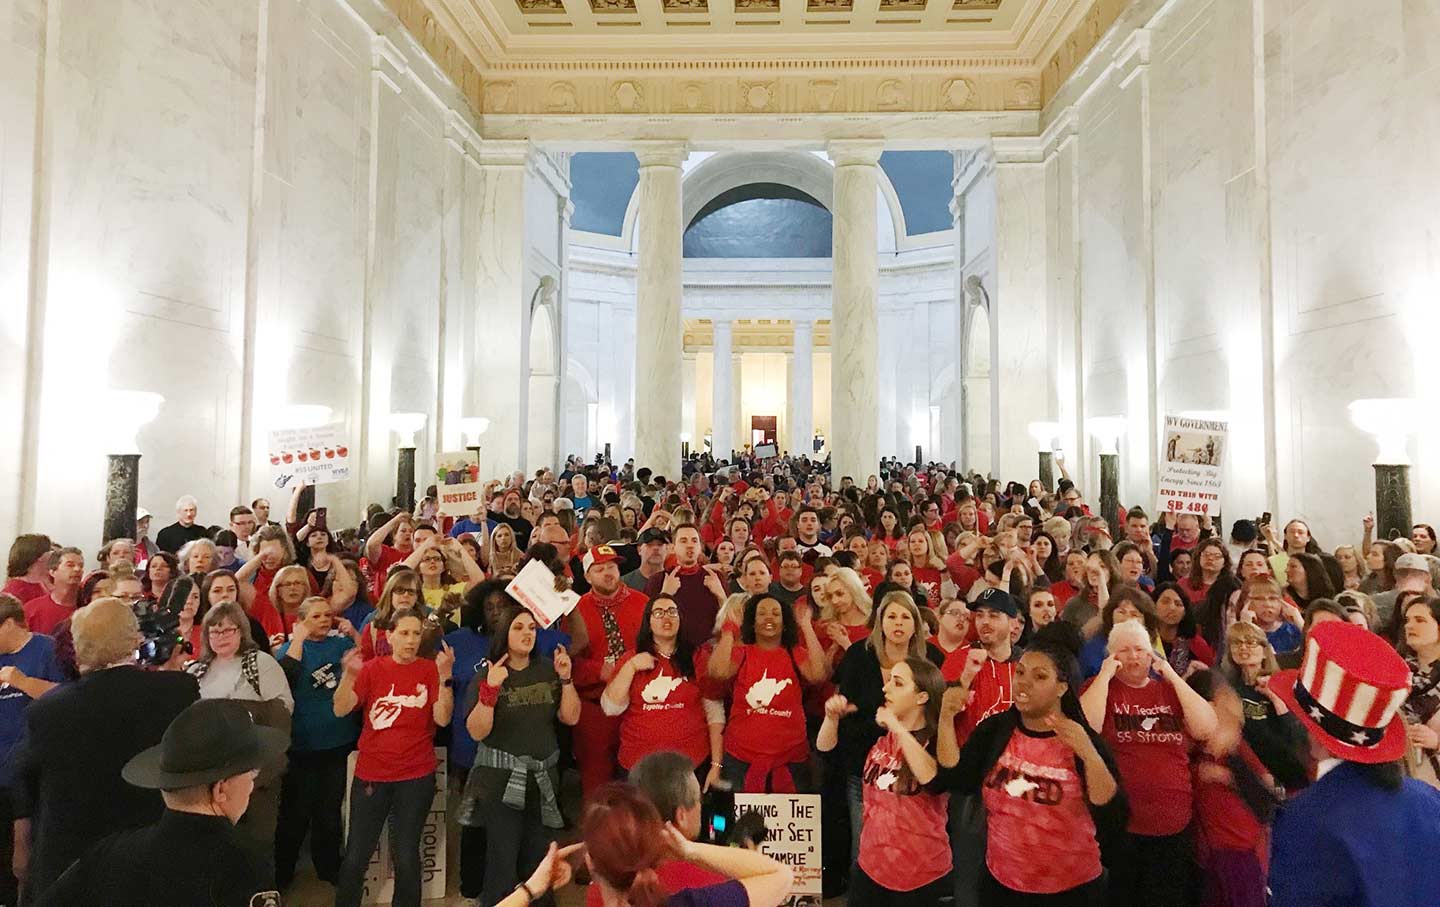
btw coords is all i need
(534, 587)
(766, 451)
(792, 836)
(457, 482)
(318, 455)
(1192, 457)
(380, 874)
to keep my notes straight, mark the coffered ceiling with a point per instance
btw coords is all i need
(546, 58)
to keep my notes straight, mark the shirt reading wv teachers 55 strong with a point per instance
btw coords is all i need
(1146, 729)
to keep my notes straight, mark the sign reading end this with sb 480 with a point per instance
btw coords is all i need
(1193, 455)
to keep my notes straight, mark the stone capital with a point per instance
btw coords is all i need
(855, 152)
(661, 153)
(504, 152)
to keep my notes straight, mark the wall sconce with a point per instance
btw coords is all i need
(124, 414)
(1045, 434)
(472, 427)
(1390, 421)
(406, 426)
(685, 445)
(1107, 431)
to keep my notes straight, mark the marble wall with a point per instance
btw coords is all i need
(1238, 218)
(242, 206)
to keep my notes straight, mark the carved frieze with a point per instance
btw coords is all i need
(612, 6)
(541, 6)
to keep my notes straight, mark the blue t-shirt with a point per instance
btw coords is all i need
(36, 659)
(315, 726)
(1285, 638)
(358, 613)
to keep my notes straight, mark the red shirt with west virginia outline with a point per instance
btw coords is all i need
(397, 702)
(665, 713)
(767, 714)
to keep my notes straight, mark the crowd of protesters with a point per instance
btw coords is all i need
(999, 700)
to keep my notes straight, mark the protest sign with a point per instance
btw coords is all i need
(1193, 453)
(380, 874)
(457, 483)
(317, 455)
(534, 587)
(792, 836)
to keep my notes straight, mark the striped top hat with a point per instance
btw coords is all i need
(1348, 692)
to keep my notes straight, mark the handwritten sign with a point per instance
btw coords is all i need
(380, 874)
(319, 455)
(792, 836)
(1190, 469)
(534, 587)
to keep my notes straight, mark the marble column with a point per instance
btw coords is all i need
(801, 390)
(737, 396)
(854, 369)
(658, 336)
(687, 399)
(722, 412)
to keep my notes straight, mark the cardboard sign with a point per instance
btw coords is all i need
(534, 587)
(767, 451)
(317, 455)
(460, 500)
(1193, 454)
(380, 874)
(792, 836)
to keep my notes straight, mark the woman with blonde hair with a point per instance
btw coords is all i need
(845, 613)
(290, 587)
(198, 556)
(1352, 566)
(1272, 732)
(503, 556)
(926, 565)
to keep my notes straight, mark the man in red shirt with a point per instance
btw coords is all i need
(612, 612)
(67, 569)
(986, 670)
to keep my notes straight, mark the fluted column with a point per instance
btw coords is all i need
(658, 334)
(722, 413)
(855, 366)
(801, 391)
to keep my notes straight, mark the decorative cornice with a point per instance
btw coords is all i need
(436, 40)
(1078, 44)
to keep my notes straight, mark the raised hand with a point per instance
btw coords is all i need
(497, 672)
(563, 667)
(671, 584)
(1108, 667)
(643, 661)
(352, 662)
(1070, 733)
(973, 663)
(886, 718)
(837, 707)
(445, 661)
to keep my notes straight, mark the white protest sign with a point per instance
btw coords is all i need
(792, 836)
(459, 500)
(1193, 453)
(318, 455)
(534, 587)
(380, 874)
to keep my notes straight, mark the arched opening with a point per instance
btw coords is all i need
(760, 220)
(544, 390)
(976, 390)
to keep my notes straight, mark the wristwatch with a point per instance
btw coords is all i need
(448, 683)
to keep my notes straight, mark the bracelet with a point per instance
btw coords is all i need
(489, 695)
(529, 895)
(566, 681)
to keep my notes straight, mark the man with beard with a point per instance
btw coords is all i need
(510, 515)
(654, 545)
(690, 585)
(611, 612)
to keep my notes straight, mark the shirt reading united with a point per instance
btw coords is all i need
(904, 844)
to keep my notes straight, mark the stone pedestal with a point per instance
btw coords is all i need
(1110, 493)
(1047, 470)
(1392, 501)
(659, 338)
(122, 493)
(854, 321)
(405, 479)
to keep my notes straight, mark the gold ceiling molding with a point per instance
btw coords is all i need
(749, 336)
(420, 22)
(794, 65)
(1078, 44)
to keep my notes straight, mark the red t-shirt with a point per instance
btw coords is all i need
(928, 578)
(261, 608)
(43, 613)
(991, 692)
(675, 876)
(1146, 729)
(961, 573)
(397, 739)
(1195, 593)
(23, 590)
(1226, 823)
(767, 716)
(665, 713)
(904, 844)
(1063, 592)
(872, 578)
(1036, 806)
(380, 567)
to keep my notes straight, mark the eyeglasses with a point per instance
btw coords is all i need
(1246, 644)
(665, 612)
(291, 584)
(223, 632)
(404, 590)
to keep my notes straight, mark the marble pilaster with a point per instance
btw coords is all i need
(801, 390)
(854, 332)
(721, 380)
(737, 398)
(658, 288)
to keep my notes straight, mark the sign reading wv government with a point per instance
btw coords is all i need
(1190, 470)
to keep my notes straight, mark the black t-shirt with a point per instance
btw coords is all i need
(173, 537)
(185, 858)
(520, 526)
(524, 723)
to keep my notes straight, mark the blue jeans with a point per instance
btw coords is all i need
(404, 805)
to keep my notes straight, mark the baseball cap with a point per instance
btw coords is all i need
(997, 600)
(653, 534)
(600, 554)
(1412, 562)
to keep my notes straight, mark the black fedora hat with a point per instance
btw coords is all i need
(211, 740)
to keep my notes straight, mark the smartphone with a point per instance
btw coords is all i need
(320, 516)
(717, 814)
(1265, 518)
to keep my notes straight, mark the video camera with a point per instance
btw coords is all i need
(160, 623)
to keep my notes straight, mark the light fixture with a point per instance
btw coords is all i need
(684, 437)
(472, 427)
(1107, 430)
(1045, 434)
(406, 426)
(1390, 421)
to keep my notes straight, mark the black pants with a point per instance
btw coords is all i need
(515, 843)
(993, 894)
(311, 796)
(1154, 870)
(403, 805)
(864, 892)
(9, 887)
